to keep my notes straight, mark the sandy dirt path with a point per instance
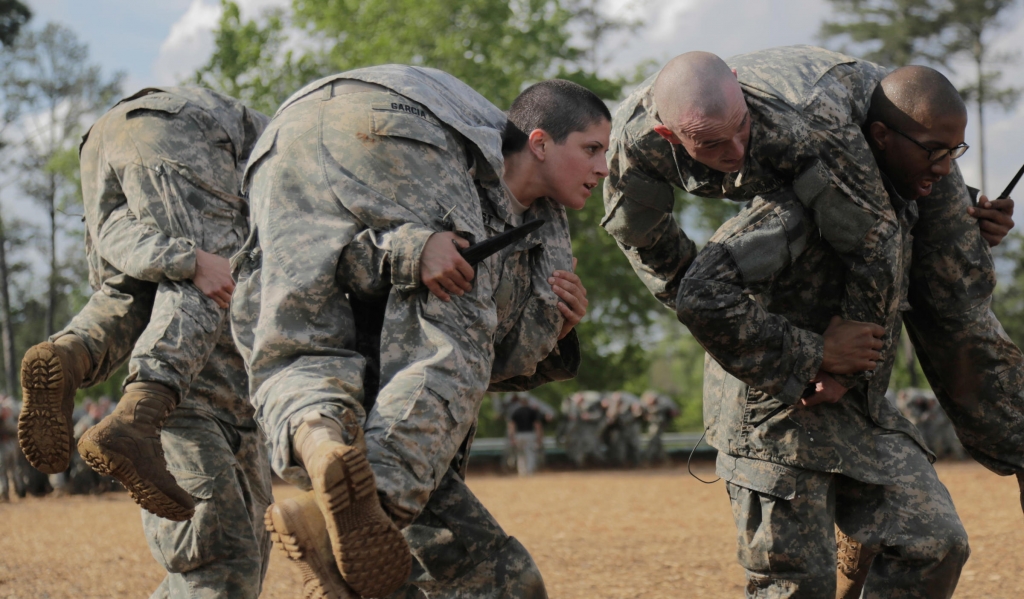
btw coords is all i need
(657, 534)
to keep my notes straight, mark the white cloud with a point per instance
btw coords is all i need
(189, 43)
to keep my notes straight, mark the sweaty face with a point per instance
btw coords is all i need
(720, 143)
(573, 168)
(907, 164)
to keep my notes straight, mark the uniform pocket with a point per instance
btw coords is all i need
(184, 546)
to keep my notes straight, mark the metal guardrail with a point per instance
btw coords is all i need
(674, 442)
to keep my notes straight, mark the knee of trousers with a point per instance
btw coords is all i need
(945, 540)
(526, 580)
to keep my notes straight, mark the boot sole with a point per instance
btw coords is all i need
(371, 553)
(145, 493)
(45, 432)
(320, 577)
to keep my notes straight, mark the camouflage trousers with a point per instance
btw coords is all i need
(223, 551)
(179, 329)
(786, 519)
(461, 552)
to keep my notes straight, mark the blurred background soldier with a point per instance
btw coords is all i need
(621, 431)
(504, 404)
(8, 446)
(525, 433)
(584, 421)
(921, 407)
(659, 412)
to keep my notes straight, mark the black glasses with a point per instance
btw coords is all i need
(935, 155)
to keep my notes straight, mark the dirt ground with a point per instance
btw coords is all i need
(594, 534)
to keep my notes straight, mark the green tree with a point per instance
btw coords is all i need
(496, 46)
(62, 90)
(940, 32)
(13, 15)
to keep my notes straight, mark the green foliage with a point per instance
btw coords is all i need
(496, 46)
(13, 15)
(1008, 303)
(940, 32)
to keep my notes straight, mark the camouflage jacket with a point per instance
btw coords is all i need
(373, 243)
(806, 106)
(114, 189)
(758, 297)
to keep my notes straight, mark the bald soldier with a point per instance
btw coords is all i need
(798, 126)
(798, 466)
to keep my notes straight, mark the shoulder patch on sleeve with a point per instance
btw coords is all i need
(842, 223)
(767, 236)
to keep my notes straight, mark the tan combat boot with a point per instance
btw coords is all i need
(372, 555)
(854, 562)
(297, 526)
(51, 373)
(126, 445)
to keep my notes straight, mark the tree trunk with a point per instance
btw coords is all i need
(981, 119)
(6, 326)
(51, 304)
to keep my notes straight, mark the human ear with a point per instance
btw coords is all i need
(878, 135)
(537, 141)
(665, 132)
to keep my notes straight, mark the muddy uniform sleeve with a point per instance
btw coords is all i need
(141, 251)
(374, 261)
(638, 213)
(716, 302)
(976, 371)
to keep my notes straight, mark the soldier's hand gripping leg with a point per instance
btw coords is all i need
(126, 445)
(298, 527)
(51, 373)
(370, 552)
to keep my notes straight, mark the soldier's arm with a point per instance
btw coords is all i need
(760, 348)
(142, 251)
(976, 371)
(638, 214)
(840, 183)
(406, 257)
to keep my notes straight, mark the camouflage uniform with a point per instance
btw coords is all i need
(806, 107)
(921, 407)
(585, 419)
(160, 176)
(353, 175)
(659, 412)
(621, 432)
(758, 298)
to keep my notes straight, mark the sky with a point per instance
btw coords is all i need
(162, 42)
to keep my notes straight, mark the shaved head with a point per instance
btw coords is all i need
(700, 105)
(915, 127)
(692, 87)
(915, 95)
